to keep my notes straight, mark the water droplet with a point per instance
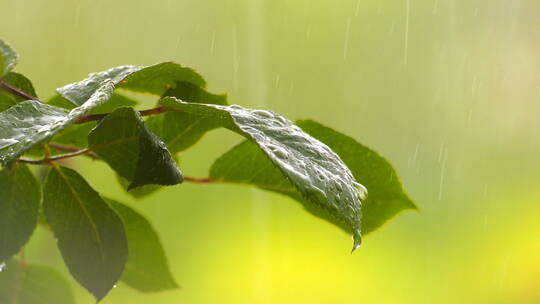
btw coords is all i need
(2, 267)
(6, 142)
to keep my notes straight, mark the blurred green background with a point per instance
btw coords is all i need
(448, 90)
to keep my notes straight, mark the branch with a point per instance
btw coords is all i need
(72, 149)
(48, 160)
(95, 117)
(15, 91)
(199, 180)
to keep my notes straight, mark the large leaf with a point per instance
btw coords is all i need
(147, 269)
(90, 234)
(181, 130)
(155, 79)
(22, 283)
(386, 195)
(8, 58)
(20, 195)
(29, 123)
(18, 81)
(326, 184)
(134, 152)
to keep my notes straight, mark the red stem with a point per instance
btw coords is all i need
(17, 92)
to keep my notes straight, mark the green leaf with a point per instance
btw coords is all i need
(132, 150)
(20, 196)
(30, 122)
(325, 182)
(8, 58)
(181, 130)
(147, 269)
(155, 79)
(77, 135)
(90, 234)
(22, 283)
(139, 192)
(386, 195)
(19, 81)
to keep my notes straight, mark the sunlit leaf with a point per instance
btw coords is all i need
(147, 269)
(134, 152)
(90, 234)
(30, 122)
(324, 181)
(155, 79)
(20, 196)
(22, 283)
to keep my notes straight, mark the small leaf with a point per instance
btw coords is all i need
(22, 283)
(147, 269)
(8, 99)
(30, 123)
(90, 234)
(20, 196)
(8, 58)
(155, 79)
(386, 195)
(181, 130)
(325, 182)
(134, 152)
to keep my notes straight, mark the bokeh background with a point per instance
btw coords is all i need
(448, 90)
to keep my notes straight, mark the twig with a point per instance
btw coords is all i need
(48, 160)
(199, 180)
(95, 117)
(72, 149)
(17, 92)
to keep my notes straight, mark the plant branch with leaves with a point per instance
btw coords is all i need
(103, 241)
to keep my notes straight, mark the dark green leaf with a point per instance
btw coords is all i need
(155, 79)
(19, 205)
(181, 130)
(30, 122)
(8, 99)
(325, 182)
(77, 135)
(22, 283)
(386, 195)
(134, 152)
(147, 269)
(8, 58)
(90, 234)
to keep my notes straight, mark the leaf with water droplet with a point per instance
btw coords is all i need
(30, 122)
(8, 58)
(132, 150)
(20, 196)
(326, 185)
(154, 79)
(22, 283)
(386, 194)
(90, 234)
(147, 269)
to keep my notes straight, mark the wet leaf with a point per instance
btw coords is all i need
(8, 58)
(20, 196)
(134, 152)
(29, 123)
(147, 269)
(326, 184)
(22, 283)
(90, 234)
(386, 195)
(181, 130)
(155, 79)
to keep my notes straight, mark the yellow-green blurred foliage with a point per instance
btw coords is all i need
(448, 90)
